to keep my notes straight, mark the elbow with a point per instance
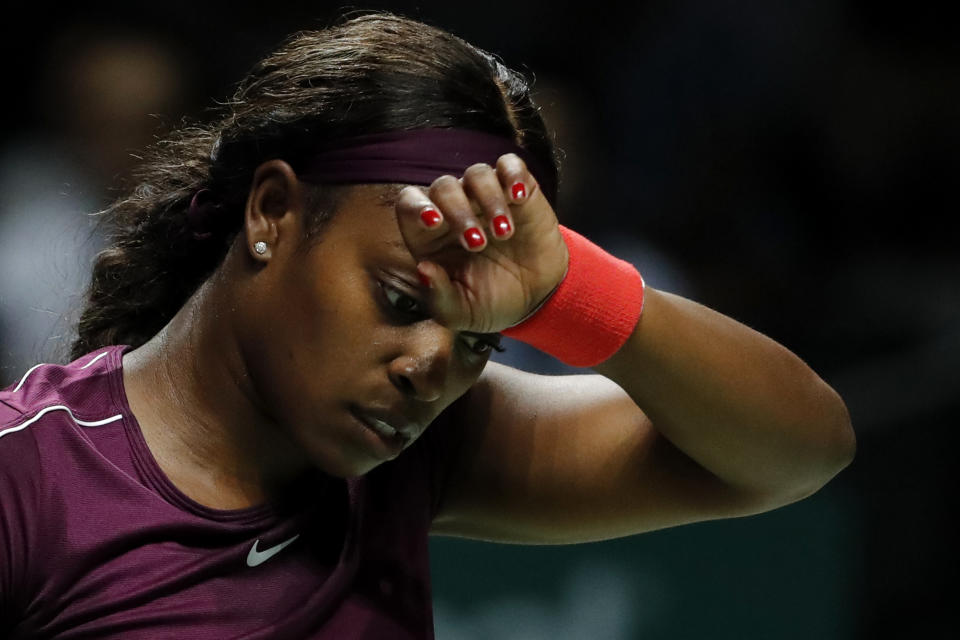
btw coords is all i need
(835, 449)
(845, 447)
(842, 447)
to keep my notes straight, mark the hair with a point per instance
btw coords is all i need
(369, 74)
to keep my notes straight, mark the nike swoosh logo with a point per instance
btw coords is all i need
(257, 557)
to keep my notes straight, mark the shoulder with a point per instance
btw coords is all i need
(43, 416)
(84, 387)
(50, 400)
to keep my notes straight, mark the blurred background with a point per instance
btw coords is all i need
(788, 164)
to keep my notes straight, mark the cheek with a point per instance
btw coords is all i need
(324, 345)
(322, 319)
(285, 360)
(277, 374)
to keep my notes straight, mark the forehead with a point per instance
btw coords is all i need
(367, 216)
(371, 195)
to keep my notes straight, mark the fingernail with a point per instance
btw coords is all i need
(474, 237)
(501, 225)
(519, 191)
(430, 217)
(424, 280)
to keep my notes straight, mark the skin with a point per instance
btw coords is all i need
(262, 373)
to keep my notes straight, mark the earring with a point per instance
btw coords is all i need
(260, 247)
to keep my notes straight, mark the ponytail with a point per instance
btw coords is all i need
(158, 255)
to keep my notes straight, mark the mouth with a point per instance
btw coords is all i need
(392, 434)
(381, 427)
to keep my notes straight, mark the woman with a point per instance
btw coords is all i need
(280, 383)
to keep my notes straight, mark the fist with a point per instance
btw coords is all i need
(487, 245)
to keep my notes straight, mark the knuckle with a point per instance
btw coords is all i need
(411, 196)
(511, 163)
(485, 191)
(444, 184)
(478, 169)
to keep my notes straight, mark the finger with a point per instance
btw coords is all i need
(519, 185)
(442, 293)
(448, 194)
(421, 221)
(481, 184)
(529, 206)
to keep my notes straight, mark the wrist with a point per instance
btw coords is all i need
(593, 310)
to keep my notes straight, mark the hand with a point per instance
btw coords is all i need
(491, 251)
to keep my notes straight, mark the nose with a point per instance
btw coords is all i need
(420, 371)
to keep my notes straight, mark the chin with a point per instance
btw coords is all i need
(340, 464)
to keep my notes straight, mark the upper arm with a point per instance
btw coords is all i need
(554, 459)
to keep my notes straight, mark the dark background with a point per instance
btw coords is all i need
(791, 166)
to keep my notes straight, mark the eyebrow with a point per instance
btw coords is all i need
(390, 195)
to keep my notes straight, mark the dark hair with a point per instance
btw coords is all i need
(370, 74)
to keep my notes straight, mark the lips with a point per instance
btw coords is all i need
(381, 427)
(394, 430)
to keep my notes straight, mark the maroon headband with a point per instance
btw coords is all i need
(416, 156)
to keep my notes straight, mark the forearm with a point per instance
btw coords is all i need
(739, 404)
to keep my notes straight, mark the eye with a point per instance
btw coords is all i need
(402, 303)
(482, 343)
(407, 308)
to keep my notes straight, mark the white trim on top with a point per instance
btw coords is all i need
(60, 407)
(37, 366)
(29, 371)
(95, 359)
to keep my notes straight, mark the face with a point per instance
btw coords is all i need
(345, 358)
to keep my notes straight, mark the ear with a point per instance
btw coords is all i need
(274, 211)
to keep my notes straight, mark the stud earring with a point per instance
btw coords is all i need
(260, 247)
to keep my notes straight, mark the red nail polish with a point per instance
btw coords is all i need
(501, 225)
(518, 190)
(424, 280)
(430, 217)
(474, 237)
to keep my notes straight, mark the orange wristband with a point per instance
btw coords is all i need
(591, 313)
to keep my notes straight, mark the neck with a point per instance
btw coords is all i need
(189, 390)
